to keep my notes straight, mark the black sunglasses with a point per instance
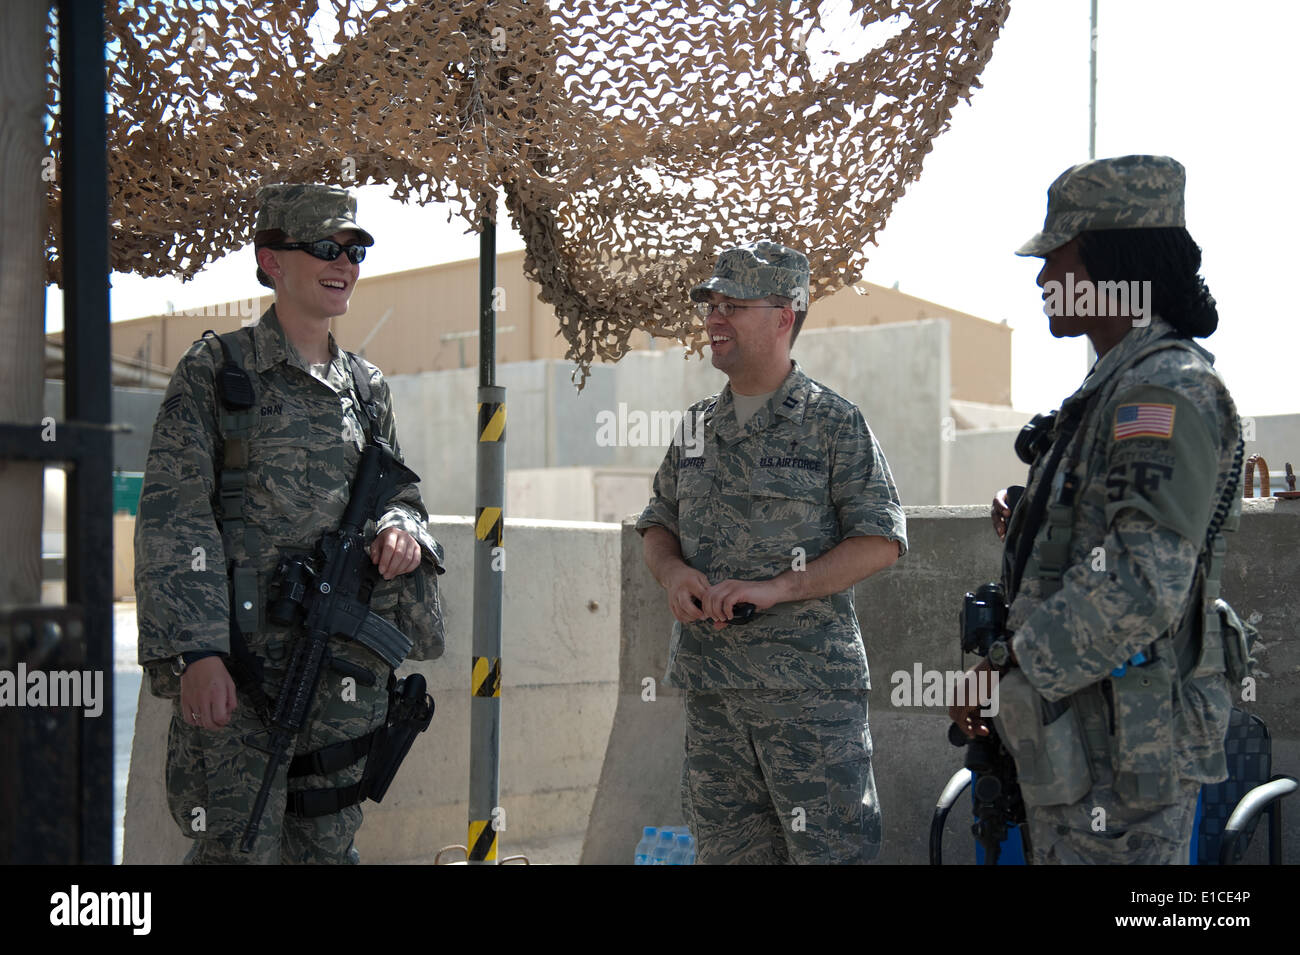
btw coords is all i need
(326, 249)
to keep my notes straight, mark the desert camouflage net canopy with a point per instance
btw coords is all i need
(634, 140)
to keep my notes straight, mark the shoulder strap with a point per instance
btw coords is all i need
(237, 395)
(364, 396)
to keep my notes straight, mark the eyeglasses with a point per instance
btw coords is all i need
(725, 309)
(326, 249)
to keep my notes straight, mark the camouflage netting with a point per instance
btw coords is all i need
(633, 139)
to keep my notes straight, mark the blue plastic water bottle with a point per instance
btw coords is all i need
(649, 835)
(662, 848)
(681, 851)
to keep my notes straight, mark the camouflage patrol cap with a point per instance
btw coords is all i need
(758, 270)
(1128, 192)
(306, 212)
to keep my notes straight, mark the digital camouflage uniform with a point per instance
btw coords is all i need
(306, 439)
(777, 708)
(1151, 461)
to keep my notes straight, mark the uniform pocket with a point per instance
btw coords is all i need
(411, 604)
(695, 493)
(1142, 745)
(1051, 758)
(1203, 713)
(791, 508)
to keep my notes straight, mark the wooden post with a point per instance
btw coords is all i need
(23, 192)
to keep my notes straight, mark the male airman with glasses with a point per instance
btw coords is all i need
(790, 504)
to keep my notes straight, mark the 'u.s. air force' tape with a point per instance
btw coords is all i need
(482, 841)
(486, 678)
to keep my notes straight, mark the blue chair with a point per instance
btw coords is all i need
(1226, 813)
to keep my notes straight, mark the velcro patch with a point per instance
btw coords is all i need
(1144, 421)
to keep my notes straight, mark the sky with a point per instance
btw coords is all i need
(1177, 77)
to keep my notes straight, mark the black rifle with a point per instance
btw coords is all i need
(330, 591)
(996, 791)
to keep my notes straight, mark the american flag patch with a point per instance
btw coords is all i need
(1144, 421)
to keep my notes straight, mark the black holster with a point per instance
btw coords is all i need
(410, 710)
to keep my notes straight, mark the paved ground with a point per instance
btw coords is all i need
(126, 693)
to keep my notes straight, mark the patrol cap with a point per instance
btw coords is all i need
(1127, 192)
(306, 212)
(758, 270)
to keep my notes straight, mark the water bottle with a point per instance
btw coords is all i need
(649, 836)
(681, 851)
(662, 848)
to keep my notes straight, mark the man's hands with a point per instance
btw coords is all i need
(1001, 513)
(720, 600)
(207, 693)
(683, 584)
(686, 585)
(395, 552)
(849, 561)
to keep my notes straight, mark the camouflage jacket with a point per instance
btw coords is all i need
(804, 473)
(302, 457)
(1151, 461)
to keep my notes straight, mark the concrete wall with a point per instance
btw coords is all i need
(982, 462)
(578, 494)
(969, 415)
(136, 408)
(908, 617)
(897, 374)
(560, 659)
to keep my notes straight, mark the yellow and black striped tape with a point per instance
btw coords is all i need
(488, 525)
(486, 677)
(492, 421)
(482, 841)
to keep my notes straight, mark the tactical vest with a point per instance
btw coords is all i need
(1187, 659)
(409, 710)
(236, 418)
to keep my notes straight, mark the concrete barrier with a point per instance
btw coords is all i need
(560, 659)
(909, 617)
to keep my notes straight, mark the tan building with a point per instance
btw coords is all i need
(427, 320)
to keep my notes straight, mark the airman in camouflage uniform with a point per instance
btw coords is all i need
(790, 504)
(1115, 702)
(208, 541)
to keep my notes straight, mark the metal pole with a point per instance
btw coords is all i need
(485, 814)
(1092, 87)
(89, 394)
(1092, 125)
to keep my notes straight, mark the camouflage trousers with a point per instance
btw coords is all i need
(1118, 834)
(780, 776)
(213, 776)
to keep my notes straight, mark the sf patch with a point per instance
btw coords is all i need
(1144, 421)
(1141, 476)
